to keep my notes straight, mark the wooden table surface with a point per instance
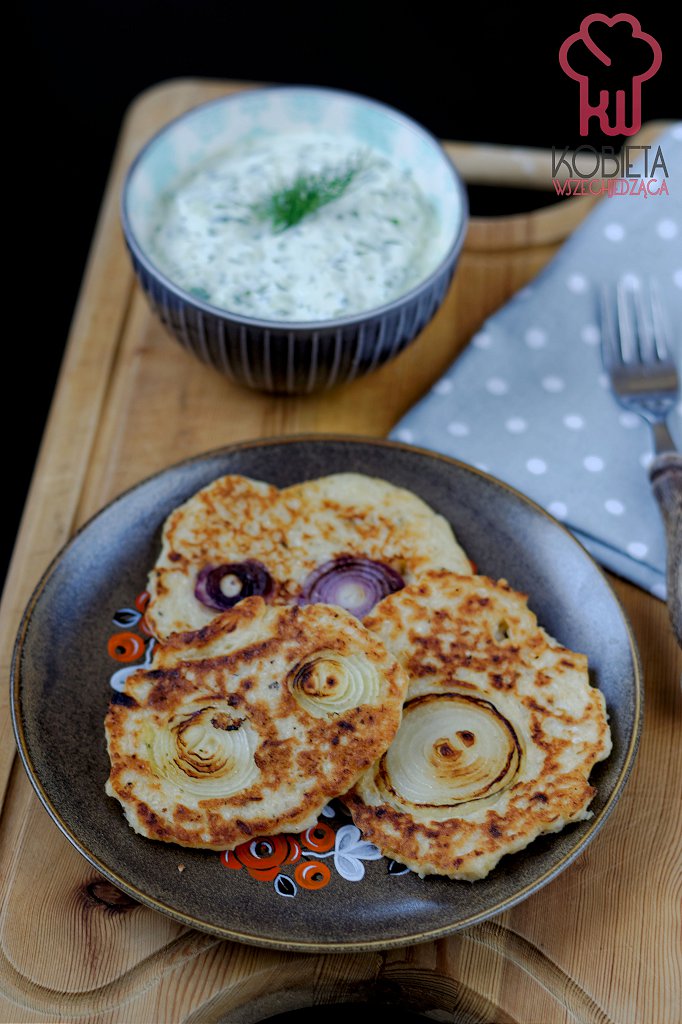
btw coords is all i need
(598, 944)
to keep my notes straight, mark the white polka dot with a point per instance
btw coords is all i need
(516, 425)
(646, 459)
(457, 429)
(677, 277)
(574, 422)
(593, 463)
(405, 435)
(481, 340)
(553, 384)
(615, 507)
(666, 229)
(590, 334)
(629, 420)
(496, 386)
(558, 509)
(577, 283)
(631, 282)
(660, 590)
(536, 466)
(637, 549)
(535, 337)
(614, 232)
(483, 466)
(603, 380)
(442, 387)
(677, 132)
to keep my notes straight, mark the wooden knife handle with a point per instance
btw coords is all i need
(665, 474)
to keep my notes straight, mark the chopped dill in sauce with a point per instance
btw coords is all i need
(299, 227)
(306, 194)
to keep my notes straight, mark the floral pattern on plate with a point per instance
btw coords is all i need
(264, 858)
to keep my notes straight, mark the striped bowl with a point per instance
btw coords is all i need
(291, 357)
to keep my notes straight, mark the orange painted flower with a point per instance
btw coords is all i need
(142, 600)
(320, 838)
(312, 874)
(125, 646)
(263, 857)
(266, 852)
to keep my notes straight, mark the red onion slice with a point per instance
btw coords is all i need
(353, 582)
(249, 578)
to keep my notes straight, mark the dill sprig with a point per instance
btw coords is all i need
(308, 192)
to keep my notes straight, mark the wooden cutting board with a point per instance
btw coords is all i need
(598, 944)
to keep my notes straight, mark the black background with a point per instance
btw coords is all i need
(478, 72)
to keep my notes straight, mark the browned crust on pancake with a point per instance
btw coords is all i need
(433, 850)
(466, 630)
(297, 774)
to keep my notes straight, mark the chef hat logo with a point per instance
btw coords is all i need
(605, 46)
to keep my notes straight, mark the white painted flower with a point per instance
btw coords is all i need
(350, 851)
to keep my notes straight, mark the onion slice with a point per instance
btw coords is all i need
(249, 578)
(352, 582)
(205, 751)
(331, 683)
(452, 750)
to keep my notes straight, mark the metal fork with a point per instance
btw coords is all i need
(636, 354)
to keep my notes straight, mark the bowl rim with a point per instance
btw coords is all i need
(299, 326)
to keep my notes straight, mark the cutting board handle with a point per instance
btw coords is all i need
(528, 168)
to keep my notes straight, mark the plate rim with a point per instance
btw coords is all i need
(318, 946)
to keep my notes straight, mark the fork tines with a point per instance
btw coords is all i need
(641, 334)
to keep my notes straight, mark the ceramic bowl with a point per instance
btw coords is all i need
(287, 356)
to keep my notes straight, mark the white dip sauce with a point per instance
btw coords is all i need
(359, 251)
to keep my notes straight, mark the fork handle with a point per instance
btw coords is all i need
(665, 474)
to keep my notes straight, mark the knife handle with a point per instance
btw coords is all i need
(665, 474)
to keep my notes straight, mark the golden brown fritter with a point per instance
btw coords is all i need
(251, 725)
(291, 532)
(500, 730)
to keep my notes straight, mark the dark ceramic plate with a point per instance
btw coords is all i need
(274, 897)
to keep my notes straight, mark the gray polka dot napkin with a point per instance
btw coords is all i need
(528, 400)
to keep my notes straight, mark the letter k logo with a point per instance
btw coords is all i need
(611, 109)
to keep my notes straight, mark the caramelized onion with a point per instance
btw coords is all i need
(206, 751)
(352, 582)
(331, 683)
(451, 750)
(244, 578)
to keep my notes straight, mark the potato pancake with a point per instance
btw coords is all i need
(249, 726)
(345, 539)
(500, 730)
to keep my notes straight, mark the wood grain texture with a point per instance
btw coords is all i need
(597, 945)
